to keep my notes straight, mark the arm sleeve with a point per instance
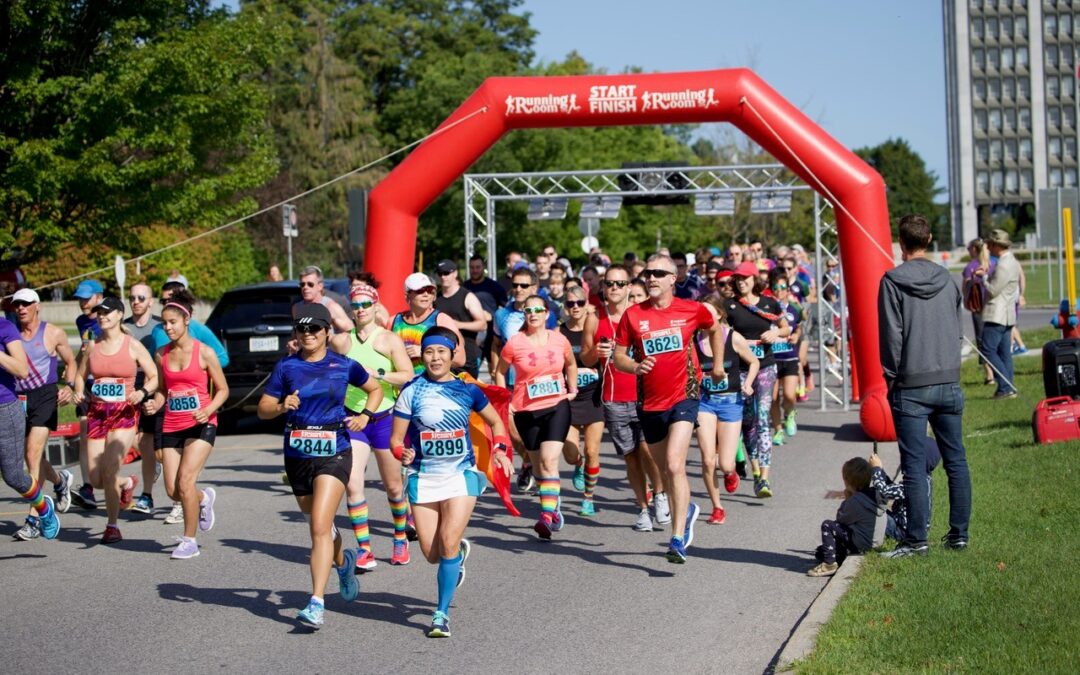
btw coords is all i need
(207, 337)
(704, 317)
(275, 386)
(887, 489)
(622, 333)
(507, 353)
(479, 400)
(403, 405)
(358, 377)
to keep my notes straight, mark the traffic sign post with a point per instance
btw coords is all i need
(289, 228)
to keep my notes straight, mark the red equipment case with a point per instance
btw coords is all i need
(1056, 419)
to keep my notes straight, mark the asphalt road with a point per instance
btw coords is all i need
(599, 598)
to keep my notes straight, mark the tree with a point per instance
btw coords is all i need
(117, 115)
(910, 186)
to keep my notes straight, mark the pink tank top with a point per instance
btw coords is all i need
(114, 375)
(186, 391)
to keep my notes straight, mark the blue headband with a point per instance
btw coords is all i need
(441, 340)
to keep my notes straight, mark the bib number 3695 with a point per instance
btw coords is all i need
(443, 443)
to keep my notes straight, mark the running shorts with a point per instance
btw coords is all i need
(538, 426)
(623, 425)
(377, 432)
(151, 424)
(787, 368)
(724, 407)
(41, 407)
(302, 472)
(585, 409)
(424, 488)
(103, 417)
(655, 425)
(178, 439)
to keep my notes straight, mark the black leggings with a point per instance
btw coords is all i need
(836, 543)
(538, 426)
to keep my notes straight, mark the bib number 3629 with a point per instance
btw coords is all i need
(443, 443)
(313, 442)
(662, 341)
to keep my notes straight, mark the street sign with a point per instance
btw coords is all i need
(589, 243)
(121, 273)
(588, 226)
(289, 220)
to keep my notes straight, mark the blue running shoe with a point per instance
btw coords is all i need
(579, 476)
(348, 584)
(50, 524)
(688, 532)
(440, 626)
(676, 552)
(311, 616)
(465, 548)
(557, 521)
(588, 508)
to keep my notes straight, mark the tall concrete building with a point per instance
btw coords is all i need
(1011, 94)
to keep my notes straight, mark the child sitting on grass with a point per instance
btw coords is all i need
(890, 491)
(853, 529)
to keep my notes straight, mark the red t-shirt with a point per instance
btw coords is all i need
(666, 334)
(617, 387)
(539, 382)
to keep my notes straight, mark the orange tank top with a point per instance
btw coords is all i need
(114, 375)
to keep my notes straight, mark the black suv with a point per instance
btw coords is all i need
(255, 325)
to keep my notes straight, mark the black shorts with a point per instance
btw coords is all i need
(655, 425)
(41, 407)
(177, 439)
(151, 424)
(586, 409)
(302, 472)
(787, 368)
(538, 426)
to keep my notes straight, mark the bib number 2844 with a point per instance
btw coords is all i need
(313, 442)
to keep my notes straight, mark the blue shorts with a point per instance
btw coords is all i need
(724, 407)
(377, 433)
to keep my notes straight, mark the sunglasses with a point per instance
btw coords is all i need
(137, 298)
(786, 267)
(517, 285)
(616, 284)
(535, 310)
(21, 303)
(723, 284)
(447, 273)
(308, 284)
(367, 304)
(570, 304)
(425, 289)
(307, 328)
(779, 287)
(656, 274)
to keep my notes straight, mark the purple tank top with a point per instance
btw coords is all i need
(42, 364)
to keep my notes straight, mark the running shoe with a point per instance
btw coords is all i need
(128, 491)
(661, 510)
(465, 548)
(676, 552)
(440, 626)
(348, 586)
(63, 491)
(526, 481)
(410, 528)
(285, 478)
(401, 553)
(740, 469)
(905, 551)
(30, 529)
(762, 489)
(144, 504)
(176, 515)
(718, 516)
(557, 521)
(800, 392)
(365, 561)
(778, 437)
(823, 570)
(579, 476)
(644, 522)
(112, 535)
(186, 550)
(50, 524)
(206, 510)
(803, 397)
(312, 615)
(757, 475)
(790, 428)
(691, 517)
(954, 543)
(543, 526)
(731, 482)
(84, 497)
(587, 507)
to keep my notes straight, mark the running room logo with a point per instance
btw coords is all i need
(541, 105)
(613, 98)
(679, 100)
(643, 326)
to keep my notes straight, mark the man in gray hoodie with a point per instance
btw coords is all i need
(919, 333)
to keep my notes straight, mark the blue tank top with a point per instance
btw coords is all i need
(42, 364)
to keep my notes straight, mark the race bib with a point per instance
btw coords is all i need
(714, 387)
(184, 400)
(586, 376)
(110, 390)
(314, 442)
(444, 443)
(662, 341)
(757, 349)
(781, 347)
(544, 386)
(22, 401)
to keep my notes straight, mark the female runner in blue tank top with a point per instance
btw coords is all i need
(309, 388)
(443, 481)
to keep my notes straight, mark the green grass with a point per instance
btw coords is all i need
(1011, 602)
(1037, 292)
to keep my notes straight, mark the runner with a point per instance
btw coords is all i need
(113, 415)
(44, 344)
(619, 396)
(786, 352)
(540, 402)
(140, 325)
(382, 316)
(89, 293)
(586, 411)
(421, 316)
(14, 364)
(313, 292)
(721, 410)
(187, 369)
(309, 388)
(443, 482)
(758, 319)
(382, 353)
(465, 309)
(661, 330)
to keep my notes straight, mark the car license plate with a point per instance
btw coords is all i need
(263, 344)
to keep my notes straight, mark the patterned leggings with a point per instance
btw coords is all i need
(836, 543)
(756, 424)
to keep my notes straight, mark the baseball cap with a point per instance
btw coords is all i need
(446, 266)
(746, 269)
(416, 281)
(110, 303)
(25, 295)
(88, 288)
(312, 313)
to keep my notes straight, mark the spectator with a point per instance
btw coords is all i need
(974, 292)
(686, 287)
(853, 530)
(176, 276)
(999, 313)
(491, 296)
(275, 273)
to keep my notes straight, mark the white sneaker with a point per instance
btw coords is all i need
(661, 509)
(644, 522)
(176, 515)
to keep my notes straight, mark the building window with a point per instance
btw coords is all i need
(980, 89)
(1066, 57)
(1021, 57)
(977, 28)
(982, 181)
(1027, 180)
(981, 152)
(1006, 27)
(1025, 149)
(994, 88)
(992, 28)
(993, 58)
(997, 181)
(980, 121)
(1025, 119)
(1007, 57)
(1010, 150)
(1010, 119)
(976, 4)
(1067, 86)
(1053, 115)
(1024, 85)
(1012, 181)
(1050, 24)
(1070, 177)
(1008, 88)
(1051, 56)
(1055, 177)
(1065, 25)
(995, 119)
(1052, 86)
(1021, 27)
(1070, 147)
(978, 59)
(995, 151)
(1053, 148)
(1067, 117)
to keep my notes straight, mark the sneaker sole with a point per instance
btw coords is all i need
(543, 529)
(437, 633)
(643, 529)
(673, 557)
(196, 554)
(309, 624)
(145, 512)
(691, 518)
(400, 563)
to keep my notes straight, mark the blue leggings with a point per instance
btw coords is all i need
(756, 424)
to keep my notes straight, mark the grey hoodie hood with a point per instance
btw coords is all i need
(921, 278)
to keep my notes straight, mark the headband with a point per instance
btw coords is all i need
(363, 290)
(439, 340)
(183, 310)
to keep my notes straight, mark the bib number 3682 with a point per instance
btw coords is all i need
(443, 443)
(110, 390)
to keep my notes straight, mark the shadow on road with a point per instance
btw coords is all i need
(529, 544)
(845, 433)
(255, 600)
(286, 552)
(791, 563)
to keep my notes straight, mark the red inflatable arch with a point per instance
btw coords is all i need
(737, 96)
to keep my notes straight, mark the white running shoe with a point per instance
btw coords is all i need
(176, 515)
(644, 522)
(662, 510)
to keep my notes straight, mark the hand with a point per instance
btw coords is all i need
(150, 406)
(137, 397)
(748, 389)
(874, 460)
(718, 374)
(356, 422)
(571, 395)
(771, 335)
(645, 366)
(63, 395)
(77, 397)
(407, 456)
(413, 351)
(979, 271)
(202, 415)
(292, 401)
(503, 462)
(292, 346)
(1023, 302)
(604, 349)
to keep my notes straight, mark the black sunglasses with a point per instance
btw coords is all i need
(570, 304)
(308, 284)
(517, 285)
(21, 303)
(616, 284)
(307, 328)
(655, 273)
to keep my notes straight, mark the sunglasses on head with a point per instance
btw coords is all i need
(616, 284)
(655, 274)
(535, 310)
(307, 328)
(425, 289)
(520, 286)
(570, 304)
(308, 284)
(363, 304)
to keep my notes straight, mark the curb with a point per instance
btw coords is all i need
(804, 636)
